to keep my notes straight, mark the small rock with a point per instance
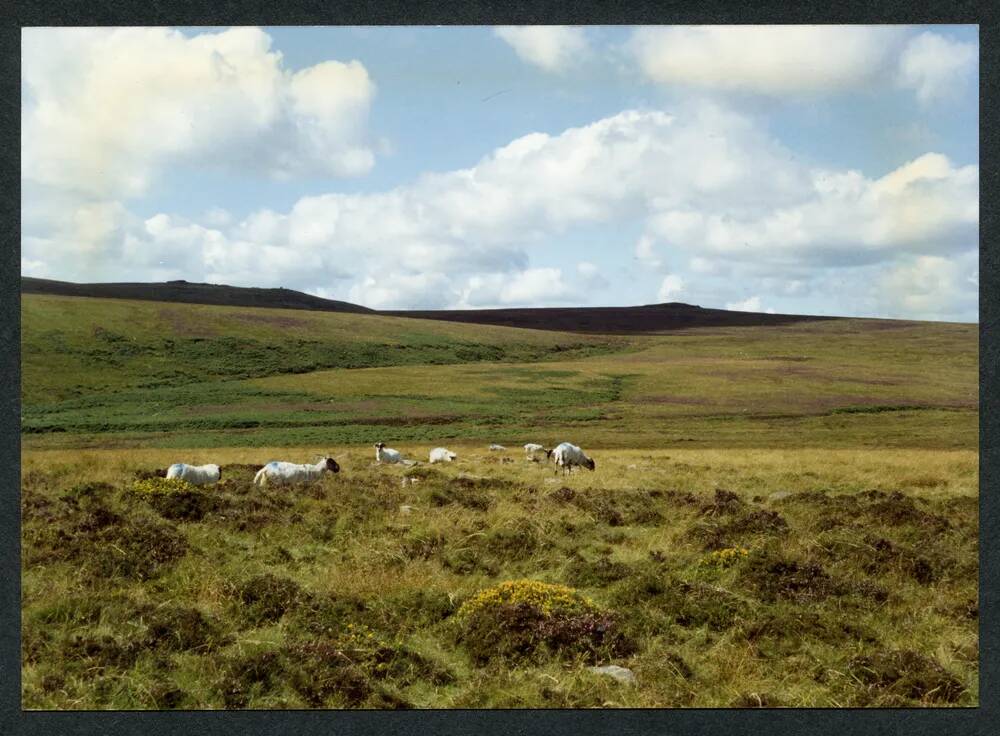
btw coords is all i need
(404, 509)
(622, 674)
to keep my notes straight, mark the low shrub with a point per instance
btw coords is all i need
(527, 619)
(244, 677)
(725, 557)
(355, 666)
(264, 599)
(888, 675)
(174, 498)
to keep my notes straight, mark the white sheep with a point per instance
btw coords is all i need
(567, 455)
(198, 475)
(497, 448)
(389, 456)
(442, 455)
(532, 450)
(281, 473)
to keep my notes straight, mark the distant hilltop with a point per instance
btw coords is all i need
(193, 293)
(650, 318)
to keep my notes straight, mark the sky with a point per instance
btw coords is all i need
(829, 170)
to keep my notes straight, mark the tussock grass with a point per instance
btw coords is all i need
(864, 596)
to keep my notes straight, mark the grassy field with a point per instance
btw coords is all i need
(113, 373)
(780, 516)
(858, 588)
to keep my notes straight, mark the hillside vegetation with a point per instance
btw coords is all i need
(857, 586)
(118, 373)
(779, 516)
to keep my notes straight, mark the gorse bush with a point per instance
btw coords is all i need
(529, 619)
(174, 498)
(149, 487)
(726, 557)
(547, 597)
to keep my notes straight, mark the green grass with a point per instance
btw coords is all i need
(858, 589)
(843, 456)
(76, 347)
(252, 377)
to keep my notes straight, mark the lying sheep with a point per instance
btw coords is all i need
(567, 455)
(282, 473)
(389, 456)
(198, 475)
(497, 448)
(442, 455)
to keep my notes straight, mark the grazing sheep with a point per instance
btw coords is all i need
(442, 455)
(567, 455)
(389, 456)
(282, 473)
(198, 475)
(498, 448)
(532, 450)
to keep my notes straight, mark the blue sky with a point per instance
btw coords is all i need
(822, 170)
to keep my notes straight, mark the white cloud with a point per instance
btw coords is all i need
(927, 205)
(105, 109)
(591, 276)
(528, 288)
(772, 60)
(930, 287)
(711, 188)
(404, 291)
(936, 67)
(670, 287)
(794, 60)
(552, 48)
(751, 304)
(217, 217)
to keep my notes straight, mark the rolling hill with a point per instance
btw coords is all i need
(648, 319)
(192, 293)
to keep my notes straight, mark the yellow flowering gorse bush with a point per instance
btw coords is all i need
(549, 598)
(725, 557)
(161, 486)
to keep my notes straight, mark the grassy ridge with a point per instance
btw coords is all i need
(73, 347)
(847, 596)
(114, 373)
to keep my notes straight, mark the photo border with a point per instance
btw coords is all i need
(845, 722)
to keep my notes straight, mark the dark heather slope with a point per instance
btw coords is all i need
(651, 318)
(183, 291)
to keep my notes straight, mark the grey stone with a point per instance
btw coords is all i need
(622, 674)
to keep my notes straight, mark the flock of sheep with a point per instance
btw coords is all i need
(566, 456)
